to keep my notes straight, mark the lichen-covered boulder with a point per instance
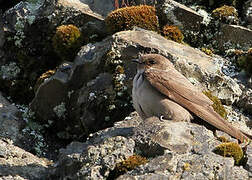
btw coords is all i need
(162, 150)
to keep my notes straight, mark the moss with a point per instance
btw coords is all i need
(43, 77)
(226, 14)
(217, 105)
(67, 41)
(223, 139)
(172, 33)
(187, 167)
(207, 51)
(127, 165)
(244, 62)
(142, 16)
(230, 149)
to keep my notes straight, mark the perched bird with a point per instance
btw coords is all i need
(160, 90)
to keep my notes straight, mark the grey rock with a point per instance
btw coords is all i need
(10, 120)
(97, 160)
(2, 38)
(17, 163)
(173, 13)
(51, 93)
(247, 13)
(234, 36)
(245, 102)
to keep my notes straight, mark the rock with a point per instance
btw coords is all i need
(11, 123)
(245, 101)
(2, 39)
(50, 95)
(171, 12)
(234, 36)
(101, 10)
(16, 163)
(168, 156)
(97, 160)
(247, 13)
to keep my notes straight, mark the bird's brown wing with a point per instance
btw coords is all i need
(176, 87)
(171, 81)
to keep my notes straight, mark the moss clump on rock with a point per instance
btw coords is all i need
(142, 16)
(217, 105)
(226, 14)
(230, 149)
(244, 62)
(173, 33)
(42, 78)
(127, 165)
(207, 51)
(67, 41)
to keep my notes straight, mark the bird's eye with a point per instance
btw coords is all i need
(152, 62)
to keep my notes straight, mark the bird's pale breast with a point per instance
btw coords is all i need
(149, 102)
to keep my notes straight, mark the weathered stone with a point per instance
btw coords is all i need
(245, 102)
(94, 8)
(17, 162)
(10, 121)
(2, 38)
(95, 161)
(51, 93)
(89, 160)
(171, 12)
(247, 13)
(234, 36)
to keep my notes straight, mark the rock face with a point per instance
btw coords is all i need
(17, 163)
(10, 121)
(176, 150)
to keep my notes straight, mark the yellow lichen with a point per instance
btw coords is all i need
(230, 149)
(223, 139)
(207, 51)
(142, 16)
(129, 164)
(67, 41)
(41, 79)
(172, 33)
(224, 13)
(187, 167)
(217, 105)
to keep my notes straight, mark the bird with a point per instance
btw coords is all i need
(162, 91)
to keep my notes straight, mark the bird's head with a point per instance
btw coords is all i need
(154, 61)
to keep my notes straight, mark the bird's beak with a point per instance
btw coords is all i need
(136, 61)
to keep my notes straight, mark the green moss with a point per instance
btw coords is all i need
(172, 33)
(230, 149)
(218, 107)
(127, 165)
(227, 14)
(244, 62)
(67, 41)
(142, 16)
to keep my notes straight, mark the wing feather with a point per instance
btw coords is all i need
(177, 88)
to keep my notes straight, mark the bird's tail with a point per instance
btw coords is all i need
(208, 114)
